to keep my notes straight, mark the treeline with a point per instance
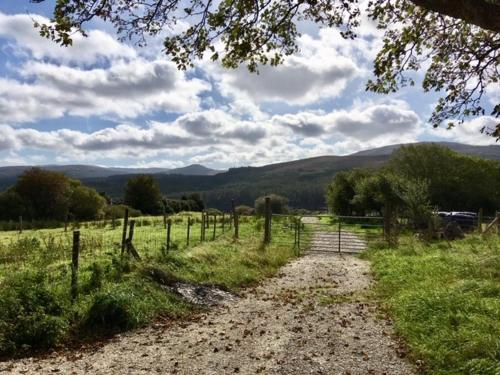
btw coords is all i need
(418, 178)
(45, 196)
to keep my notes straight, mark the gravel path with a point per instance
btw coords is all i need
(315, 317)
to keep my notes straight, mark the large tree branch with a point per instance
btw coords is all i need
(483, 13)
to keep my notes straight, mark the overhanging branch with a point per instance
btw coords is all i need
(482, 13)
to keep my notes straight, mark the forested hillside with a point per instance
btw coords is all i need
(302, 182)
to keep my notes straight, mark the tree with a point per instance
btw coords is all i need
(457, 41)
(340, 193)
(197, 203)
(46, 193)
(342, 190)
(455, 181)
(143, 193)
(279, 204)
(86, 203)
(415, 197)
(12, 205)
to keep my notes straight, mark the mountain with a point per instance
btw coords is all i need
(487, 152)
(91, 171)
(302, 181)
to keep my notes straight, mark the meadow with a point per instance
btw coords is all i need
(444, 298)
(115, 292)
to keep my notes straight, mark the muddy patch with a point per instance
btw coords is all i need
(203, 294)
(198, 294)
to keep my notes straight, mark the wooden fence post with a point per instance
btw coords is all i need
(188, 230)
(480, 220)
(74, 264)
(215, 227)
(295, 233)
(236, 220)
(169, 225)
(130, 246)
(299, 222)
(164, 221)
(202, 227)
(124, 234)
(267, 221)
(340, 233)
(131, 231)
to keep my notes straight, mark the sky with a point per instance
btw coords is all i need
(109, 103)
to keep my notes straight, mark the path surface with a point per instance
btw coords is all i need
(315, 317)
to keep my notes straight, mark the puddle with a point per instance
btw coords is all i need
(203, 295)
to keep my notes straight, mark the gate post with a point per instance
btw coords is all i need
(267, 225)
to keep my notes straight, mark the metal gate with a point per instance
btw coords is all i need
(327, 233)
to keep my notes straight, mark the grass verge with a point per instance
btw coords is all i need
(445, 301)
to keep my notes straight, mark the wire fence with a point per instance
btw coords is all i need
(51, 250)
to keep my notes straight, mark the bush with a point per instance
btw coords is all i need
(110, 311)
(31, 315)
(279, 204)
(243, 210)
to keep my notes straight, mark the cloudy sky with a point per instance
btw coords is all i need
(112, 104)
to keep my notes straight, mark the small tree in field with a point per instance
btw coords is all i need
(279, 204)
(86, 203)
(417, 207)
(381, 192)
(143, 193)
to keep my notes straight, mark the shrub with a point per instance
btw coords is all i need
(110, 311)
(31, 315)
(279, 204)
(243, 210)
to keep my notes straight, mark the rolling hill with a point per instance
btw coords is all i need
(302, 181)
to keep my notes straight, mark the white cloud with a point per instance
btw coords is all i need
(368, 122)
(25, 39)
(321, 70)
(468, 132)
(226, 140)
(125, 90)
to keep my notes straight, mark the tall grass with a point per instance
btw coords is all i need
(445, 300)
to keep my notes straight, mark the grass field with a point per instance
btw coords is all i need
(118, 293)
(445, 301)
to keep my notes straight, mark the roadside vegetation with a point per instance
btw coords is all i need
(117, 293)
(444, 298)
(416, 178)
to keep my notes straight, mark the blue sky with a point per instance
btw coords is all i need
(114, 104)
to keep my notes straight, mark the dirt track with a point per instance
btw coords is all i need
(316, 317)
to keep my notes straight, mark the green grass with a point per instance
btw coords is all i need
(445, 301)
(115, 293)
